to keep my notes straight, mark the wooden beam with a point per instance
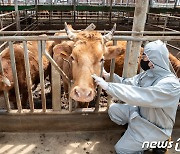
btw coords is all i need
(56, 122)
(84, 121)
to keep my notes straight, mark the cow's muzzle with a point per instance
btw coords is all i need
(82, 94)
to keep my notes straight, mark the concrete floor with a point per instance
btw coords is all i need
(101, 142)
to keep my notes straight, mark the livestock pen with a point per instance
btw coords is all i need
(30, 119)
(37, 13)
(62, 115)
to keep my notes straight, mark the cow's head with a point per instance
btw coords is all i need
(86, 55)
(5, 84)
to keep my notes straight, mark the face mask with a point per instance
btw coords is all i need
(144, 65)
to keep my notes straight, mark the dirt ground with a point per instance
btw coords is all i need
(100, 142)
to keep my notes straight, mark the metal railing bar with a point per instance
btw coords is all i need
(163, 15)
(7, 27)
(56, 66)
(99, 90)
(112, 68)
(6, 97)
(70, 99)
(41, 48)
(76, 31)
(56, 89)
(126, 59)
(32, 38)
(117, 38)
(172, 46)
(164, 28)
(28, 27)
(147, 38)
(28, 76)
(5, 14)
(15, 78)
(2, 45)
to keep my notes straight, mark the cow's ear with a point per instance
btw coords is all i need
(62, 50)
(5, 81)
(113, 51)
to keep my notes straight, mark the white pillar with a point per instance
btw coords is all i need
(18, 28)
(140, 14)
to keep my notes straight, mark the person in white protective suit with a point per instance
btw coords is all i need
(151, 99)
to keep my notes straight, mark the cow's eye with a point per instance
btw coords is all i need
(102, 60)
(72, 58)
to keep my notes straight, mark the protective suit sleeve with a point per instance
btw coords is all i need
(129, 81)
(158, 96)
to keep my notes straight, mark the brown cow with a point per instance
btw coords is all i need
(176, 64)
(120, 60)
(85, 52)
(7, 81)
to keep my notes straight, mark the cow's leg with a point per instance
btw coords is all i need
(24, 98)
(12, 98)
(66, 89)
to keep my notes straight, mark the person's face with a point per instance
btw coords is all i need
(145, 58)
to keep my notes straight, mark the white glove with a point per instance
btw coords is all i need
(100, 81)
(106, 75)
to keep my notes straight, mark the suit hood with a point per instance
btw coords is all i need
(158, 54)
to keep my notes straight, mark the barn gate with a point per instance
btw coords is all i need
(70, 119)
(57, 118)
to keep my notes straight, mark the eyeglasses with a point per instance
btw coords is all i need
(144, 57)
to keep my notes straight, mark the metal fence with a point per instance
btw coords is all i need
(58, 72)
(153, 3)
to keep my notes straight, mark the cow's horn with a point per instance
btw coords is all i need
(70, 34)
(6, 81)
(90, 27)
(109, 36)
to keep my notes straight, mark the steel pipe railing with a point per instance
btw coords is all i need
(41, 49)
(116, 38)
(28, 76)
(15, 78)
(76, 31)
(6, 97)
(43, 53)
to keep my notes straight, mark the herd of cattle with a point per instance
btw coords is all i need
(79, 57)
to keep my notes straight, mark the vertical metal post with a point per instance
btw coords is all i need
(127, 2)
(1, 23)
(70, 99)
(6, 97)
(165, 24)
(103, 2)
(15, 78)
(99, 91)
(41, 47)
(112, 68)
(126, 59)
(110, 13)
(175, 4)
(17, 16)
(36, 8)
(74, 10)
(56, 89)
(141, 9)
(28, 76)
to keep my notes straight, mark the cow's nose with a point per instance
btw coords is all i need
(82, 94)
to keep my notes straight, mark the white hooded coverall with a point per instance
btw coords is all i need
(151, 99)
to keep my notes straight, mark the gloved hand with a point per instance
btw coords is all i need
(106, 75)
(100, 81)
